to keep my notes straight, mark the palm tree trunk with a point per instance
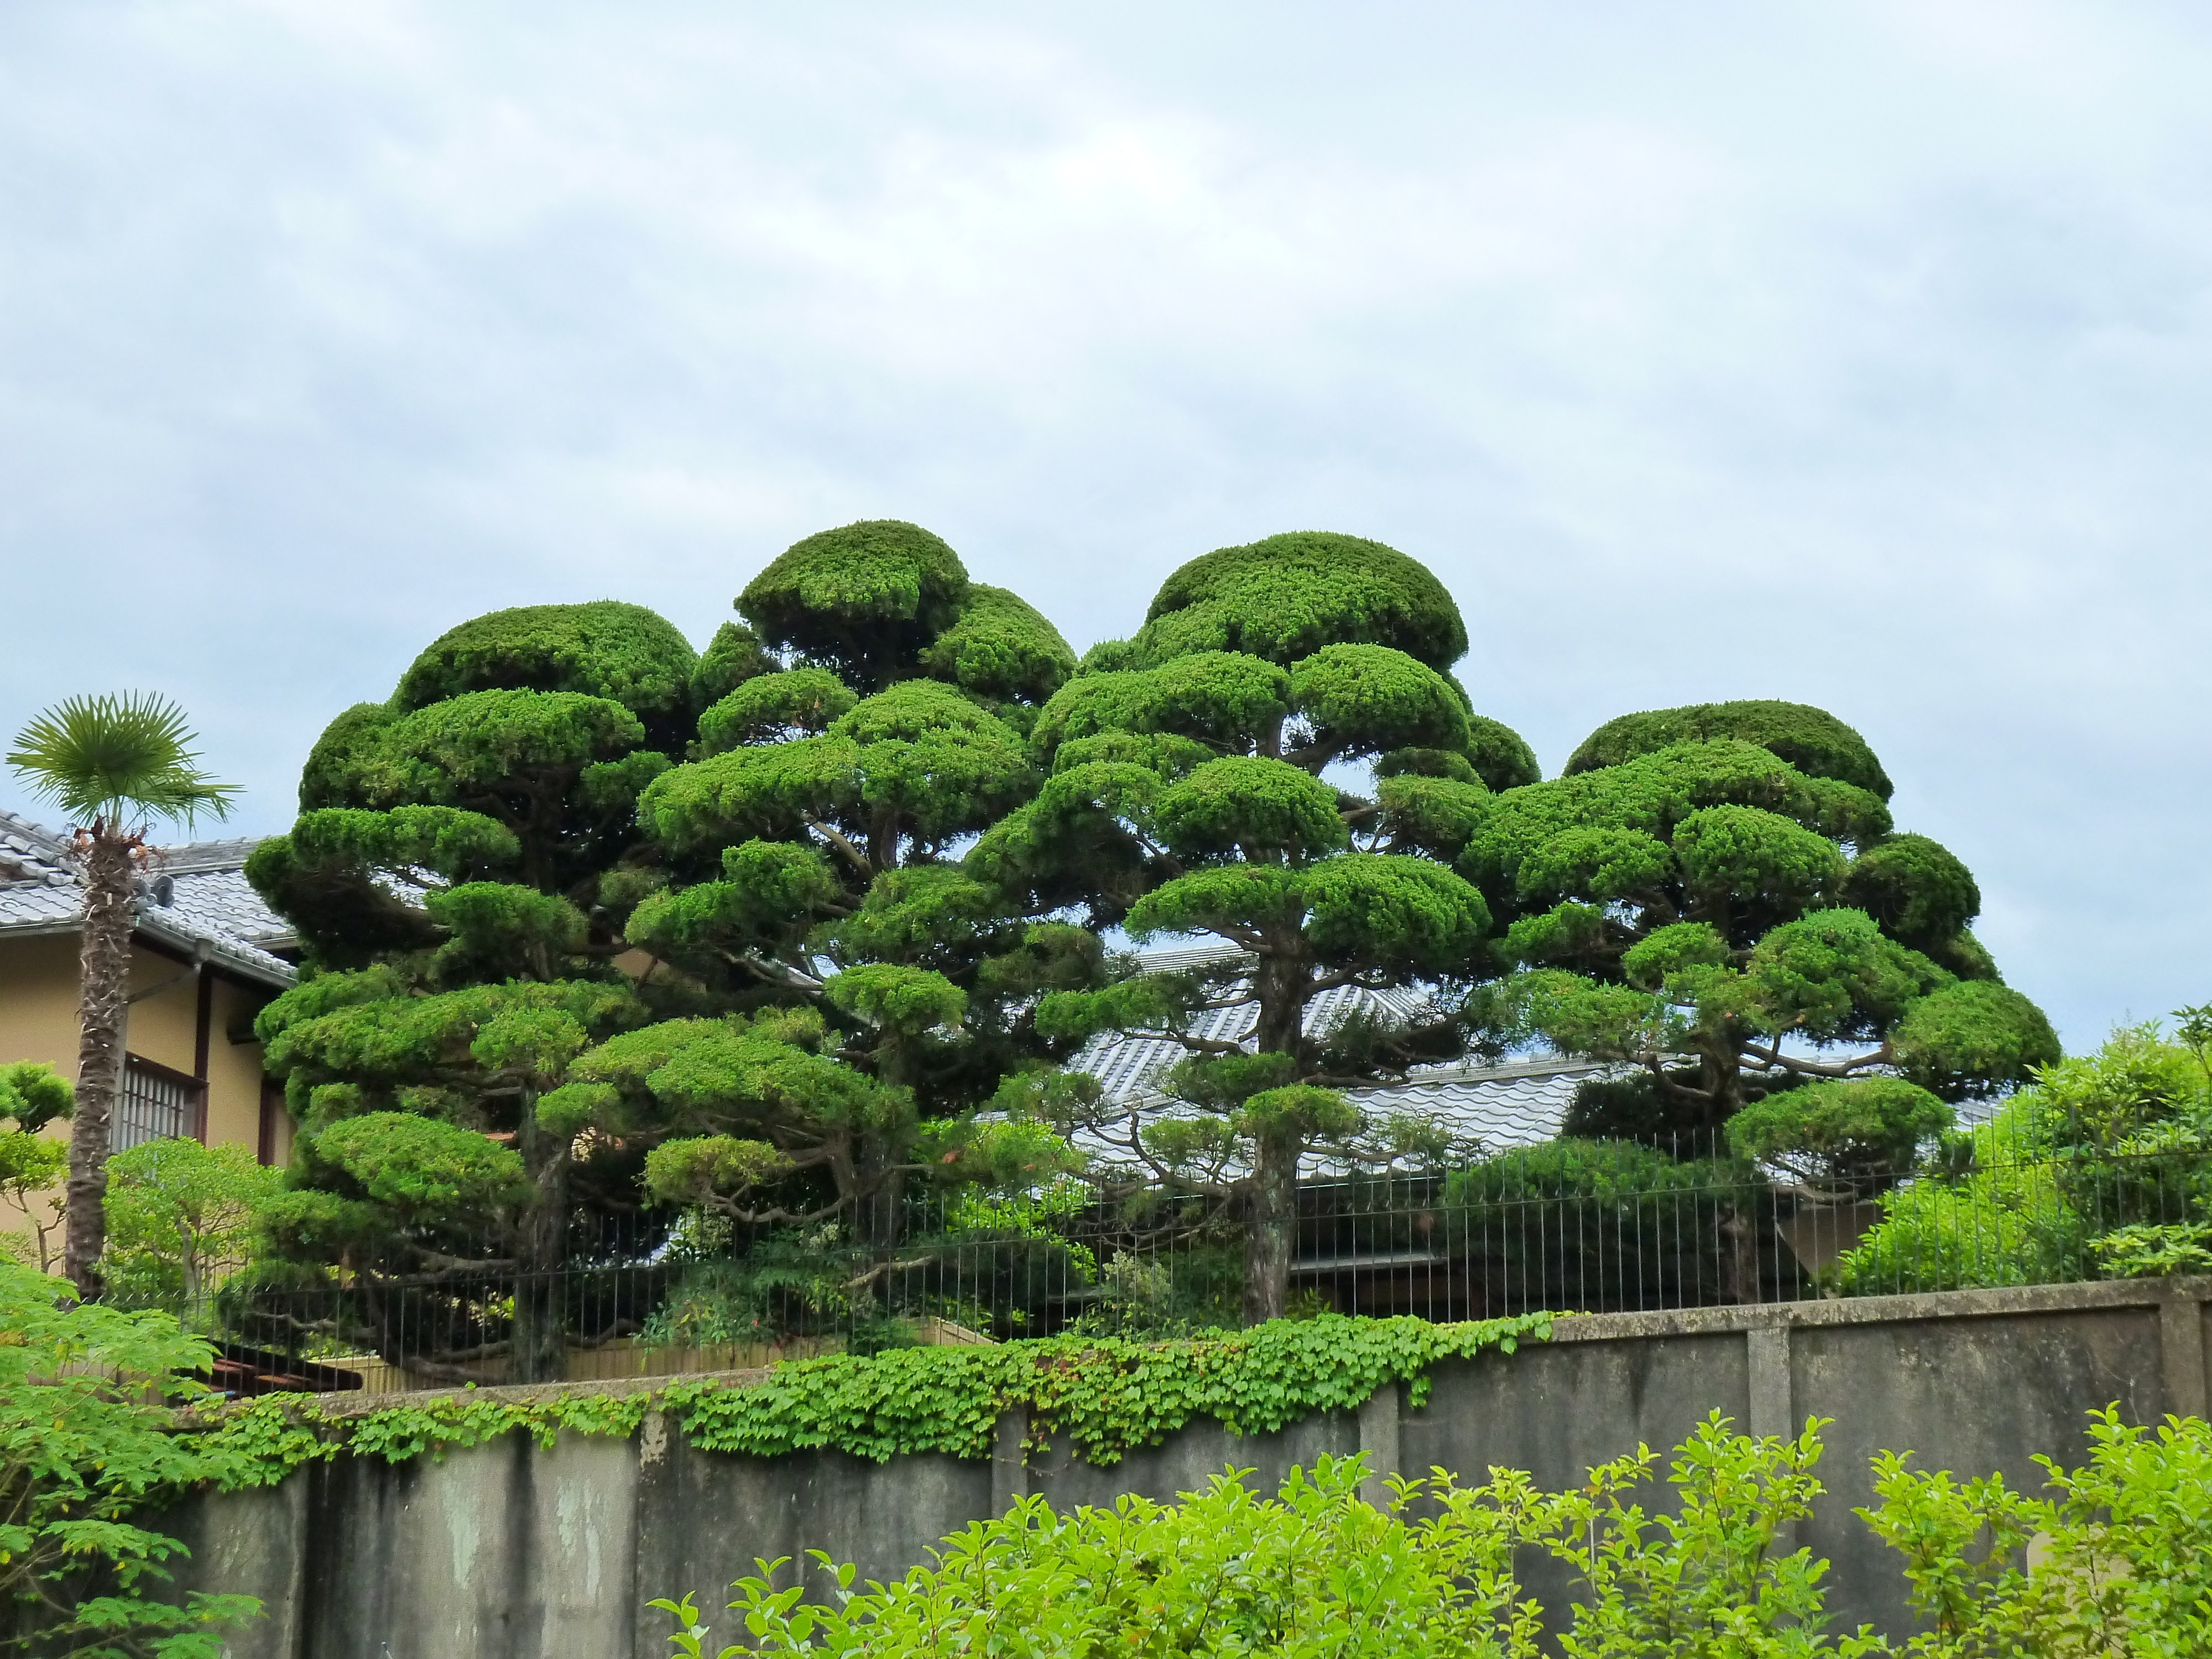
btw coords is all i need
(104, 990)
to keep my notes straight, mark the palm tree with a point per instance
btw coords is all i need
(115, 764)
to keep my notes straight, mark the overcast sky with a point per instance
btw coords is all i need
(1856, 355)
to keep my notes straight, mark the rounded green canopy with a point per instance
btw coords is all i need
(607, 648)
(1288, 596)
(1811, 739)
(864, 598)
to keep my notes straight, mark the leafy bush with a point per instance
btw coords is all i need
(181, 1217)
(85, 1442)
(2126, 1565)
(2103, 1168)
(31, 1164)
(1601, 1224)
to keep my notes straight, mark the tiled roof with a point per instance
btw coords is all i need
(1488, 1108)
(188, 897)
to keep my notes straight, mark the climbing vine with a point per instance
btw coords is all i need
(1105, 1396)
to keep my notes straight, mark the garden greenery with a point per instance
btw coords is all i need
(80, 1456)
(1106, 1397)
(2099, 1171)
(2125, 1565)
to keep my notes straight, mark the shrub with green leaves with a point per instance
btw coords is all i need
(86, 1442)
(2123, 1565)
(181, 1217)
(1598, 1225)
(31, 1164)
(2102, 1169)
(2117, 1560)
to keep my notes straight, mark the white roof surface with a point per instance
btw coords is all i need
(209, 900)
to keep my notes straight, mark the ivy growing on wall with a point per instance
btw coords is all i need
(1104, 1396)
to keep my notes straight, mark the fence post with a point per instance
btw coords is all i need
(1768, 1344)
(1379, 1438)
(1010, 1469)
(2181, 1352)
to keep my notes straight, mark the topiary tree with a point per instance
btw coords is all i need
(1716, 896)
(454, 876)
(1185, 797)
(810, 844)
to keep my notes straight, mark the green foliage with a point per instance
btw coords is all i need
(1712, 876)
(1812, 740)
(909, 768)
(2100, 1168)
(1437, 815)
(181, 1217)
(1105, 1397)
(1854, 1130)
(465, 750)
(1705, 1573)
(623, 654)
(1501, 757)
(2125, 1557)
(80, 1458)
(1224, 700)
(1288, 596)
(863, 600)
(330, 775)
(792, 1282)
(1965, 1039)
(1187, 796)
(1645, 1225)
(1367, 699)
(1250, 804)
(733, 656)
(31, 1164)
(123, 760)
(1919, 892)
(33, 1095)
(479, 861)
(771, 706)
(1000, 647)
(1311, 1571)
(1709, 1580)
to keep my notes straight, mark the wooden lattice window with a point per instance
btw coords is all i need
(156, 1104)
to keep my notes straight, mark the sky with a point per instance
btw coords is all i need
(1859, 356)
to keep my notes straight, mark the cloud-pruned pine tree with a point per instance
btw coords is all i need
(1185, 797)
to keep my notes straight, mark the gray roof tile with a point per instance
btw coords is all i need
(210, 902)
(1490, 1108)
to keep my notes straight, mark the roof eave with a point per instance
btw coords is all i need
(232, 958)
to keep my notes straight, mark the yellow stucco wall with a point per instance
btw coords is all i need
(37, 1001)
(37, 1021)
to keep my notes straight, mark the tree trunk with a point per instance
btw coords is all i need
(104, 992)
(1270, 1206)
(538, 1350)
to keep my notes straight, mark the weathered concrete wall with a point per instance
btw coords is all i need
(509, 1551)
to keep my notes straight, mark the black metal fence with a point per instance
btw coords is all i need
(1589, 1226)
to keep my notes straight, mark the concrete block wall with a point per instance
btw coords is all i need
(509, 1551)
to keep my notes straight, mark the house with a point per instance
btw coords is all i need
(206, 956)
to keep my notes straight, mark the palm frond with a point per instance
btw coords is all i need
(125, 758)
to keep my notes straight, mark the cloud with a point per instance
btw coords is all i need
(1852, 356)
